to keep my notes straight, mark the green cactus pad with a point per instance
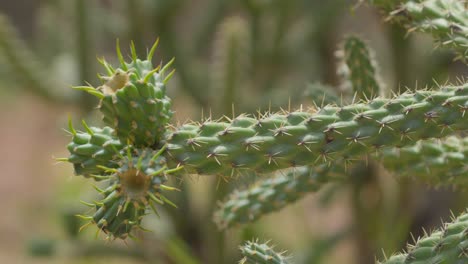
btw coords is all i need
(256, 253)
(135, 186)
(91, 149)
(280, 141)
(134, 100)
(449, 245)
(360, 68)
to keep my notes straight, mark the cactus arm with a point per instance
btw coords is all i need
(93, 149)
(447, 245)
(445, 20)
(298, 138)
(442, 163)
(359, 68)
(272, 194)
(256, 253)
(437, 163)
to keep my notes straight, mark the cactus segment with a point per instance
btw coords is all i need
(272, 194)
(298, 138)
(133, 100)
(359, 68)
(255, 253)
(133, 187)
(446, 20)
(448, 245)
(437, 163)
(91, 150)
(430, 161)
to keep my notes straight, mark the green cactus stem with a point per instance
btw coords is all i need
(272, 194)
(136, 185)
(134, 100)
(92, 149)
(359, 68)
(449, 245)
(446, 20)
(435, 162)
(439, 163)
(298, 138)
(256, 253)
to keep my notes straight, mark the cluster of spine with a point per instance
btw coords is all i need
(446, 20)
(299, 138)
(128, 152)
(256, 253)
(438, 163)
(448, 245)
(133, 187)
(359, 68)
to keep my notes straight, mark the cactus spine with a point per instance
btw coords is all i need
(447, 245)
(445, 20)
(256, 253)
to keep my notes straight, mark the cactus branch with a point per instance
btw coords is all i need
(442, 163)
(445, 20)
(256, 253)
(298, 138)
(447, 245)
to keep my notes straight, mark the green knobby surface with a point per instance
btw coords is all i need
(446, 20)
(272, 194)
(91, 149)
(360, 67)
(435, 162)
(439, 163)
(133, 99)
(449, 245)
(299, 138)
(256, 253)
(134, 186)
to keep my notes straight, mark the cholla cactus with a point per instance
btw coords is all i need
(139, 150)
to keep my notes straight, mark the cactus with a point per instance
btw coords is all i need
(255, 253)
(136, 184)
(93, 149)
(272, 194)
(447, 245)
(299, 138)
(446, 20)
(138, 150)
(437, 163)
(359, 68)
(134, 100)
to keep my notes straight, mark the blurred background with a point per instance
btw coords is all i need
(258, 55)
